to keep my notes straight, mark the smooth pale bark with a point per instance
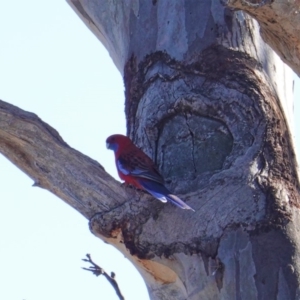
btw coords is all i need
(207, 99)
(279, 26)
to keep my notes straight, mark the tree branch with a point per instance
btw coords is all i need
(39, 151)
(96, 270)
(279, 26)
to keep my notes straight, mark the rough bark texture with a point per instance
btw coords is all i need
(206, 98)
(279, 23)
(203, 99)
(39, 151)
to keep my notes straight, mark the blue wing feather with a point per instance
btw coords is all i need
(138, 169)
(121, 168)
(145, 172)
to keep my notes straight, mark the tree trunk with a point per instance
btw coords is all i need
(279, 23)
(209, 101)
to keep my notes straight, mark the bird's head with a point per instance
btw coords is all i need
(113, 142)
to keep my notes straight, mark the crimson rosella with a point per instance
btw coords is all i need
(136, 168)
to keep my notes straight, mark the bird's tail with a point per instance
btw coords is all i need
(161, 193)
(178, 202)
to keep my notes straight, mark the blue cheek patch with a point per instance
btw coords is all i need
(113, 147)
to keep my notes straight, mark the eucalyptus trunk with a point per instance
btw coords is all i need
(210, 102)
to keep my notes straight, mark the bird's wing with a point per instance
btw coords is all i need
(140, 166)
(122, 167)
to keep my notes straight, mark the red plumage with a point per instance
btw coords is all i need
(136, 168)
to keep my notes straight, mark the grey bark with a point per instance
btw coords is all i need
(205, 99)
(279, 23)
(208, 100)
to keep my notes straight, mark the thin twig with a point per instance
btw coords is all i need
(96, 270)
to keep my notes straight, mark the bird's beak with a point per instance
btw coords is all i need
(107, 145)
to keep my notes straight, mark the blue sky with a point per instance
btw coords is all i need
(52, 65)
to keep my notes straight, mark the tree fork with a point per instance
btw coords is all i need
(208, 101)
(271, 155)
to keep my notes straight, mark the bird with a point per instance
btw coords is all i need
(136, 168)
